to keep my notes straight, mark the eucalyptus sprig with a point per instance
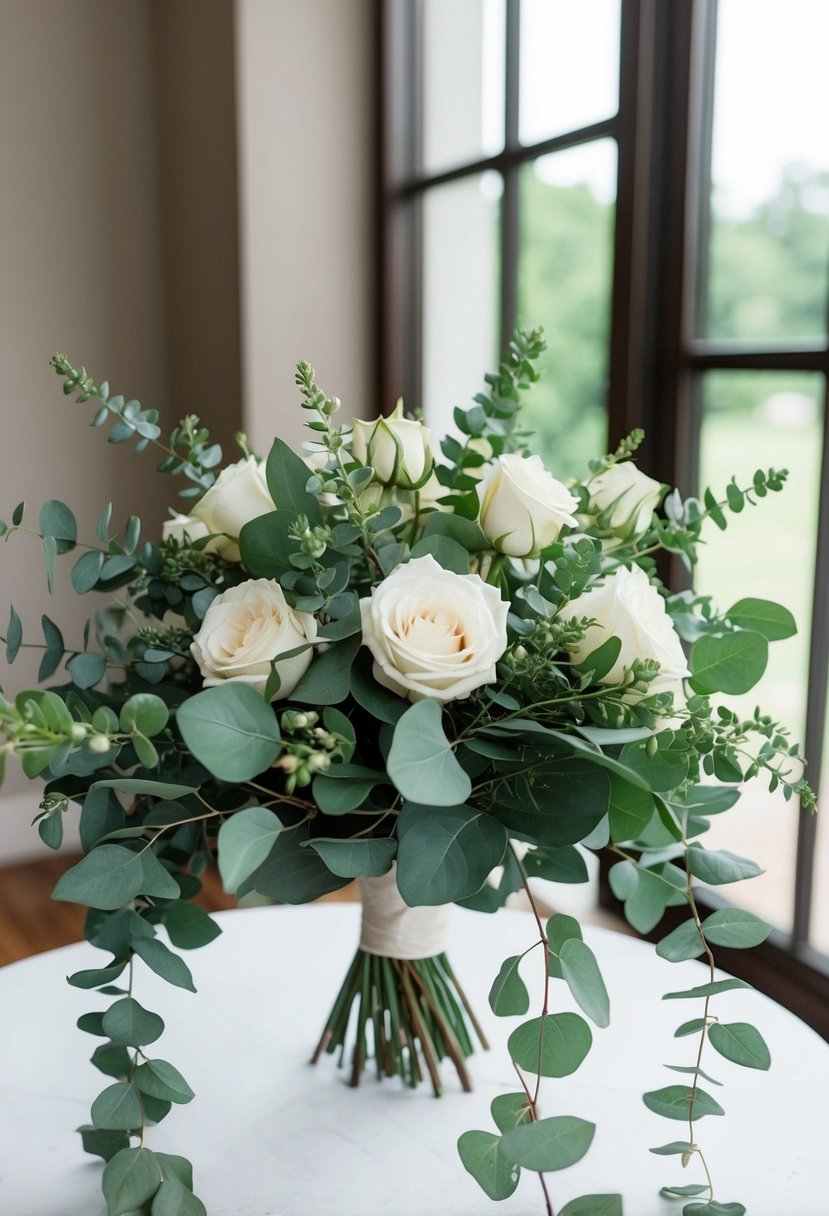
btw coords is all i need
(188, 450)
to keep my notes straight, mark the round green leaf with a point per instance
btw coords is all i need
(445, 854)
(549, 1144)
(86, 669)
(144, 712)
(730, 662)
(129, 1023)
(714, 1208)
(244, 841)
(481, 1155)
(117, 1108)
(510, 1110)
(130, 1180)
(421, 762)
(189, 926)
(58, 521)
(231, 730)
(554, 1046)
(740, 1042)
(174, 1199)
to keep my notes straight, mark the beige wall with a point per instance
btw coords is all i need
(305, 85)
(119, 246)
(81, 273)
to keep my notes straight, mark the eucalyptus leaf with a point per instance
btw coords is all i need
(366, 858)
(164, 962)
(554, 1046)
(108, 877)
(712, 989)
(730, 662)
(174, 1199)
(682, 943)
(245, 839)
(129, 1023)
(720, 866)
(508, 995)
(772, 620)
(445, 853)
(422, 763)
(482, 1157)
(740, 1042)
(160, 1079)
(510, 1110)
(674, 1102)
(736, 928)
(584, 979)
(593, 1205)
(130, 1179)
(549, 1144)
(231, 730)
(117, 1108)
(287, 477)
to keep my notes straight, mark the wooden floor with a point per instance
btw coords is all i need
(30, 921)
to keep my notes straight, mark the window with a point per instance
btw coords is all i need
(650, 182)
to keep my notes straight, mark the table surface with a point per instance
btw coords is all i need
(270, 1136)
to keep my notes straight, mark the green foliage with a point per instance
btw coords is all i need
(508, 995)
(483, 1156)
(593, 1205)
(554, 1046)
(445, 852)
(583, 977)
(231, 730)
(740, 1042)
(244, 841)
(130, 1180)
(674, 1102)
(549, 1144)
(422, 762)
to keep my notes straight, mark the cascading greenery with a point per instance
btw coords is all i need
(342, 776)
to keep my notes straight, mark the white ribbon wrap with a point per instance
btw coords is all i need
(394, 930)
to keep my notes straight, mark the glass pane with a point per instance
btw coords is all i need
(753, 420)
(464, 57)
(569, 65)
(769, 243)
(565, 270)
(460, 293)
(819, 929)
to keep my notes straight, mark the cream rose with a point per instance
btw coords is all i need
(523, 507)
(626, 497)
(244, 629)
(434, 633)
(239, 494)
(185, 527)
(625, 605)
(397, 448)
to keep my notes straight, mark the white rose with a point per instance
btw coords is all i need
(238, 495)
(434, 633)
(185, 527)
(628, 607)
(626, 496)
(523, 507)
(397, 448)
(244, 629)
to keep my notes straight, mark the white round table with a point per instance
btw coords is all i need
(271, 1136)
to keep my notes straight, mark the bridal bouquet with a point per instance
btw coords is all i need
(441, 673)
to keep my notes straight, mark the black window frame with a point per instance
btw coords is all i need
(663, 133)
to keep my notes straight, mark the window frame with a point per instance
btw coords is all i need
(663, 131)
